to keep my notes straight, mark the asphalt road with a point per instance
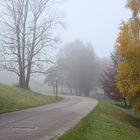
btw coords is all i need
(45, 122)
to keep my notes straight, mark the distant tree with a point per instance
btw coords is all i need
(28, 27)
(52, 74)
(78, 67)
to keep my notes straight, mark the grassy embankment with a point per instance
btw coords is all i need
(14, 99)
(106, 122)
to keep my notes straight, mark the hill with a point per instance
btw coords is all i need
(14, 99)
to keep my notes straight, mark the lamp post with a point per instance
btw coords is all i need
(56, 87)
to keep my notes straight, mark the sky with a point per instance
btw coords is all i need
(94, 21)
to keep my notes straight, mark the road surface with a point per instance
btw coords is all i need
(45, 122)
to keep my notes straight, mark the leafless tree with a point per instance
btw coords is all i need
(28, 26)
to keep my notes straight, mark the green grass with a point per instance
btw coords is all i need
(106, 122)
(14, 99)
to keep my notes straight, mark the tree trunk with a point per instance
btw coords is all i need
(125, 103)
(28, 77)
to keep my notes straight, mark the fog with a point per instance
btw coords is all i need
(92, 22)
(36, 84)
(95, 21)
(77, 69)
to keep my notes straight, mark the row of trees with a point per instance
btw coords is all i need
(26, 34)
(77, 68)
(126, 72)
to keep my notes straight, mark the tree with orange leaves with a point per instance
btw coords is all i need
(128, 49)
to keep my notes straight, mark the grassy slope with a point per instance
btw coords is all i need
(106, 122)
(14, 98)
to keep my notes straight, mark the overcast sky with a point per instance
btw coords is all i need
(95, 21)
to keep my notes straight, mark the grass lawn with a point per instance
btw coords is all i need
(14, 99)
(106, 122)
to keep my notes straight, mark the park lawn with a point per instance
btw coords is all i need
(14, 99)
(106, 122)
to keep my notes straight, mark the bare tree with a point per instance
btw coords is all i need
(28, 26)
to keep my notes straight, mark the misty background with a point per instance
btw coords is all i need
(94, 22)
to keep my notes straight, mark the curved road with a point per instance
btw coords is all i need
(45, 122)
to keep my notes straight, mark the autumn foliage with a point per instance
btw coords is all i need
(108, 81)
(128, 50)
